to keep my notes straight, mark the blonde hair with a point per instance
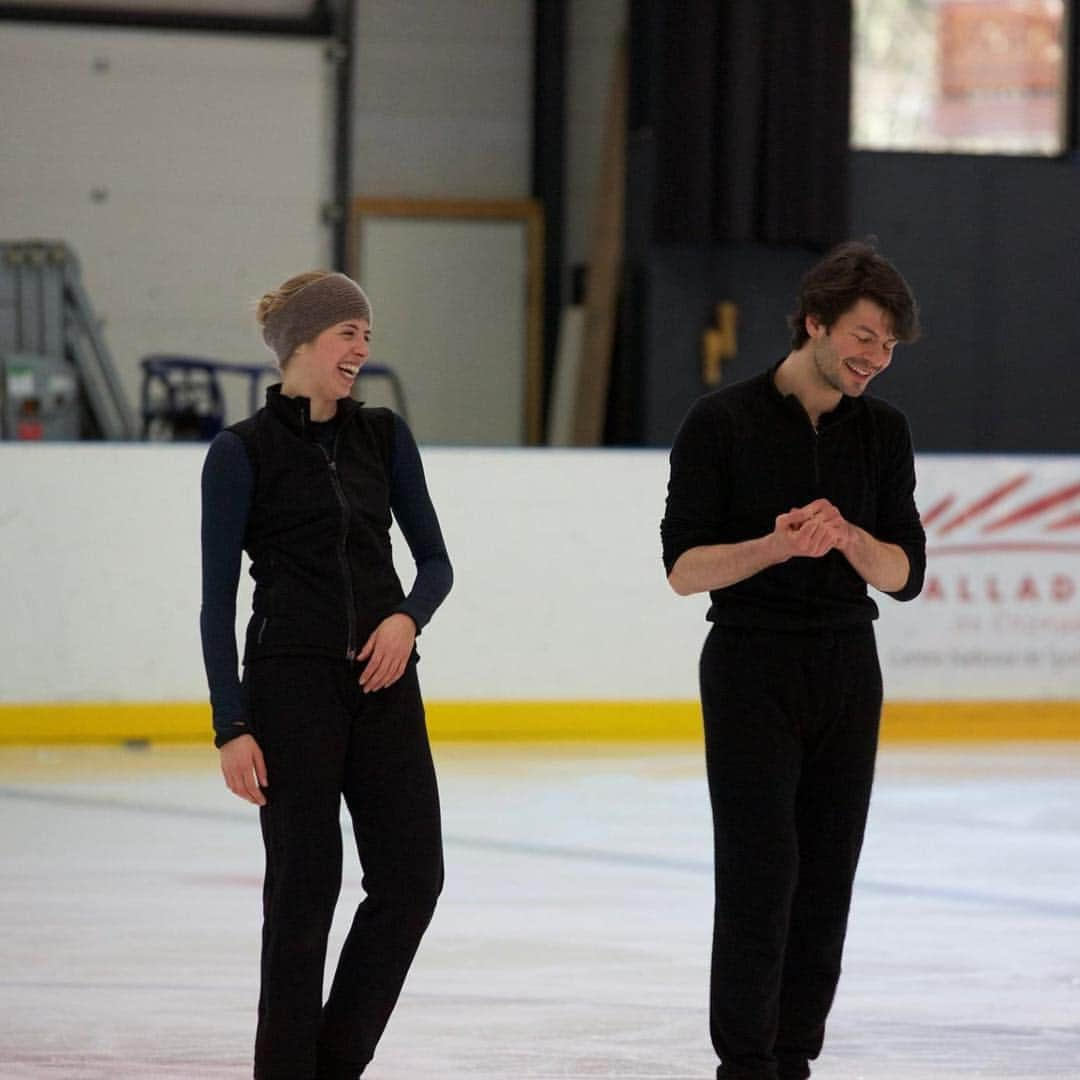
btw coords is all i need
(277, 298)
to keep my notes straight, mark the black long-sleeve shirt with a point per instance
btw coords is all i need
(227, 493)
(747, 453)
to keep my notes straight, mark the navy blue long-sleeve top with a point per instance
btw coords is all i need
(228, 485)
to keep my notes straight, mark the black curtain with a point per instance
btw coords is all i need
(749, 103)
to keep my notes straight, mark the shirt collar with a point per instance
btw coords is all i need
(845, 409)
(295, 412)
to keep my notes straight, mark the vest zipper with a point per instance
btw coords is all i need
(343, 554)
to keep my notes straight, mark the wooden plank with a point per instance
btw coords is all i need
(605, 260)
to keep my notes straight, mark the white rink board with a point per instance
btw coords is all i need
(999, 617)
(559, 594)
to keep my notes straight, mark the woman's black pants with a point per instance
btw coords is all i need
(791, 728)
(323, 739)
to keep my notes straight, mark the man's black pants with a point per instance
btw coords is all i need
(323, 740)
(791, 728)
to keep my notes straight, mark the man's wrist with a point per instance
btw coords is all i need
(772, 550)
(857, 542)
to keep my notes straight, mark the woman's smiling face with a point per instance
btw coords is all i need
(325, 369)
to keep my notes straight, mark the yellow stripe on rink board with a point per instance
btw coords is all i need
(482, 721)
(104, 722)
(979, 721)
(902, 722)
(502, 721)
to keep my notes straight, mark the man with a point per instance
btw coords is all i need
(789, 493)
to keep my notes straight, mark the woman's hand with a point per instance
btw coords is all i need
(244, 770)
(387, 652)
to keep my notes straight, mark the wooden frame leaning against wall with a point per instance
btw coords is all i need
(396, 243)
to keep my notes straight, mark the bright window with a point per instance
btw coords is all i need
(967, 76)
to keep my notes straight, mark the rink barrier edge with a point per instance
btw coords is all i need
(502, 721)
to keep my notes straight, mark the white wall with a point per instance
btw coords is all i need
(443, 98)
(188, 170)
(560, 592)
(444, 102)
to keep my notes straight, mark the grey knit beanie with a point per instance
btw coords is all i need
(309, 311)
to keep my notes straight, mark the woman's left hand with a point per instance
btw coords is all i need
(387, 652)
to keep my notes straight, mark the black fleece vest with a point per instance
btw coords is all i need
(319, 529)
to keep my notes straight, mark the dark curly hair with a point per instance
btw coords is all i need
(853, 271)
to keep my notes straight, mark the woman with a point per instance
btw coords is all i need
(329, 706)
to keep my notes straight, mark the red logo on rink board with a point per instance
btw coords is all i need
(1015, 516)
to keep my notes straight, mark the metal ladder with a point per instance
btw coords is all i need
(51, 315)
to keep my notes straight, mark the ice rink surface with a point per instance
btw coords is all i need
(572, 938)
